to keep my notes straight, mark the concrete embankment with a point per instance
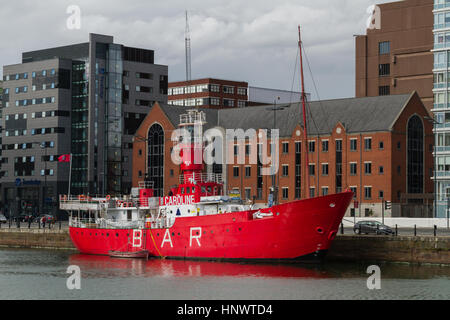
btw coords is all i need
(424, 249)
(35, 238)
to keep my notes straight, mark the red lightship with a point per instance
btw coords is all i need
(197, 221)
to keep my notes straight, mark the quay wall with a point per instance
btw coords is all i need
(37, 238)
(417, 250)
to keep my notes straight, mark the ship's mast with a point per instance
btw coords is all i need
(305, 129)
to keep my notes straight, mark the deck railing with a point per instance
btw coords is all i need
(204, 177)
(101, 223)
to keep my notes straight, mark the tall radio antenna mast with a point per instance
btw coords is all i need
(188, 49)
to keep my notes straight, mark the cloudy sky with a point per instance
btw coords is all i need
(246, 40)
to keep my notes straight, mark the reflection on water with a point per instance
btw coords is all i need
(116, 267)
(41, 274)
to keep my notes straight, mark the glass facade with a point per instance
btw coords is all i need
(441, 107)
(80, 125)
(113, 119)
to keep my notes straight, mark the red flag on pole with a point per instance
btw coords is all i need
(64, 158)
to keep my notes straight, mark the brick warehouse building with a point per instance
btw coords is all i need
(397, 58)
(208, 93)
(377, 146)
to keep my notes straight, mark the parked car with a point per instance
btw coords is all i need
(371, 227)
(3, 218)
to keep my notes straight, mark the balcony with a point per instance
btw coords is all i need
(442, 149)
(442, 174)
(442, 125)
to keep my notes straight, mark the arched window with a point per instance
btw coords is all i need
(156, 158)
(415, 154)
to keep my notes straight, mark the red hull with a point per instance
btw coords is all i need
(296, 229)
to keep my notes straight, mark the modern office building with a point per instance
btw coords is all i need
(224, 94)
(397, 57)
(85, 99)
(441, 107)
(379, 147)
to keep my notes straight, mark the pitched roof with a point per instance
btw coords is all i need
(368, 114)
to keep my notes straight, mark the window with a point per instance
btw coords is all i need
(324, 145)
(312, 192)
(384, 91)
(228, 103)
(312, 169)
(368, 168)
(384, 47)
(248, 172)
(242, 103)
(215, 88)
(367, 192)
(312, 146)
(353, 145)
(381, 170)
(248, 193)
(242, 91)
(285, 170)
(285, 147)
(415, 150)
(285, 193)
(368, 144)
(381, 194)
(381, 145)
(353, 169)
(324, 191)
(235, 172)
(228, 89)
(324, 169)
(384, 69)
